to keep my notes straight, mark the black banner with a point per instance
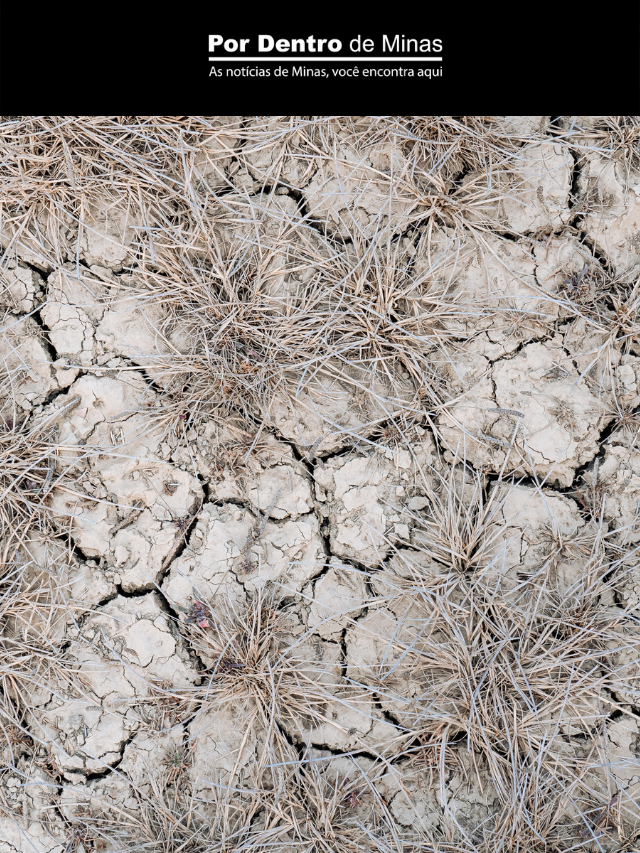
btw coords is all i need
(186, 60)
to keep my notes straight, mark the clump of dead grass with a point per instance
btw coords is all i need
(27, 476)
(621, 138)
(257, 662)
(32, 600)
(453, 145)
(261, 297)
(311, 811)
(31, 596)
(361, 320)
(516, 669)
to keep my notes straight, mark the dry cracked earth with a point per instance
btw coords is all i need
(320, 483)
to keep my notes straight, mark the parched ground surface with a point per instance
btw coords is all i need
(320, 484)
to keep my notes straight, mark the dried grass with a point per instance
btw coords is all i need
(260, 298)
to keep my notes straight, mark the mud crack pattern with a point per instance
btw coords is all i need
(320, 484)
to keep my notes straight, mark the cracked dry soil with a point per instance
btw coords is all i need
(321, 484)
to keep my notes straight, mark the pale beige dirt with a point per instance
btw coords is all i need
(374, 524)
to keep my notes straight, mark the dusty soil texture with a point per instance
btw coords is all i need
(320, 484)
